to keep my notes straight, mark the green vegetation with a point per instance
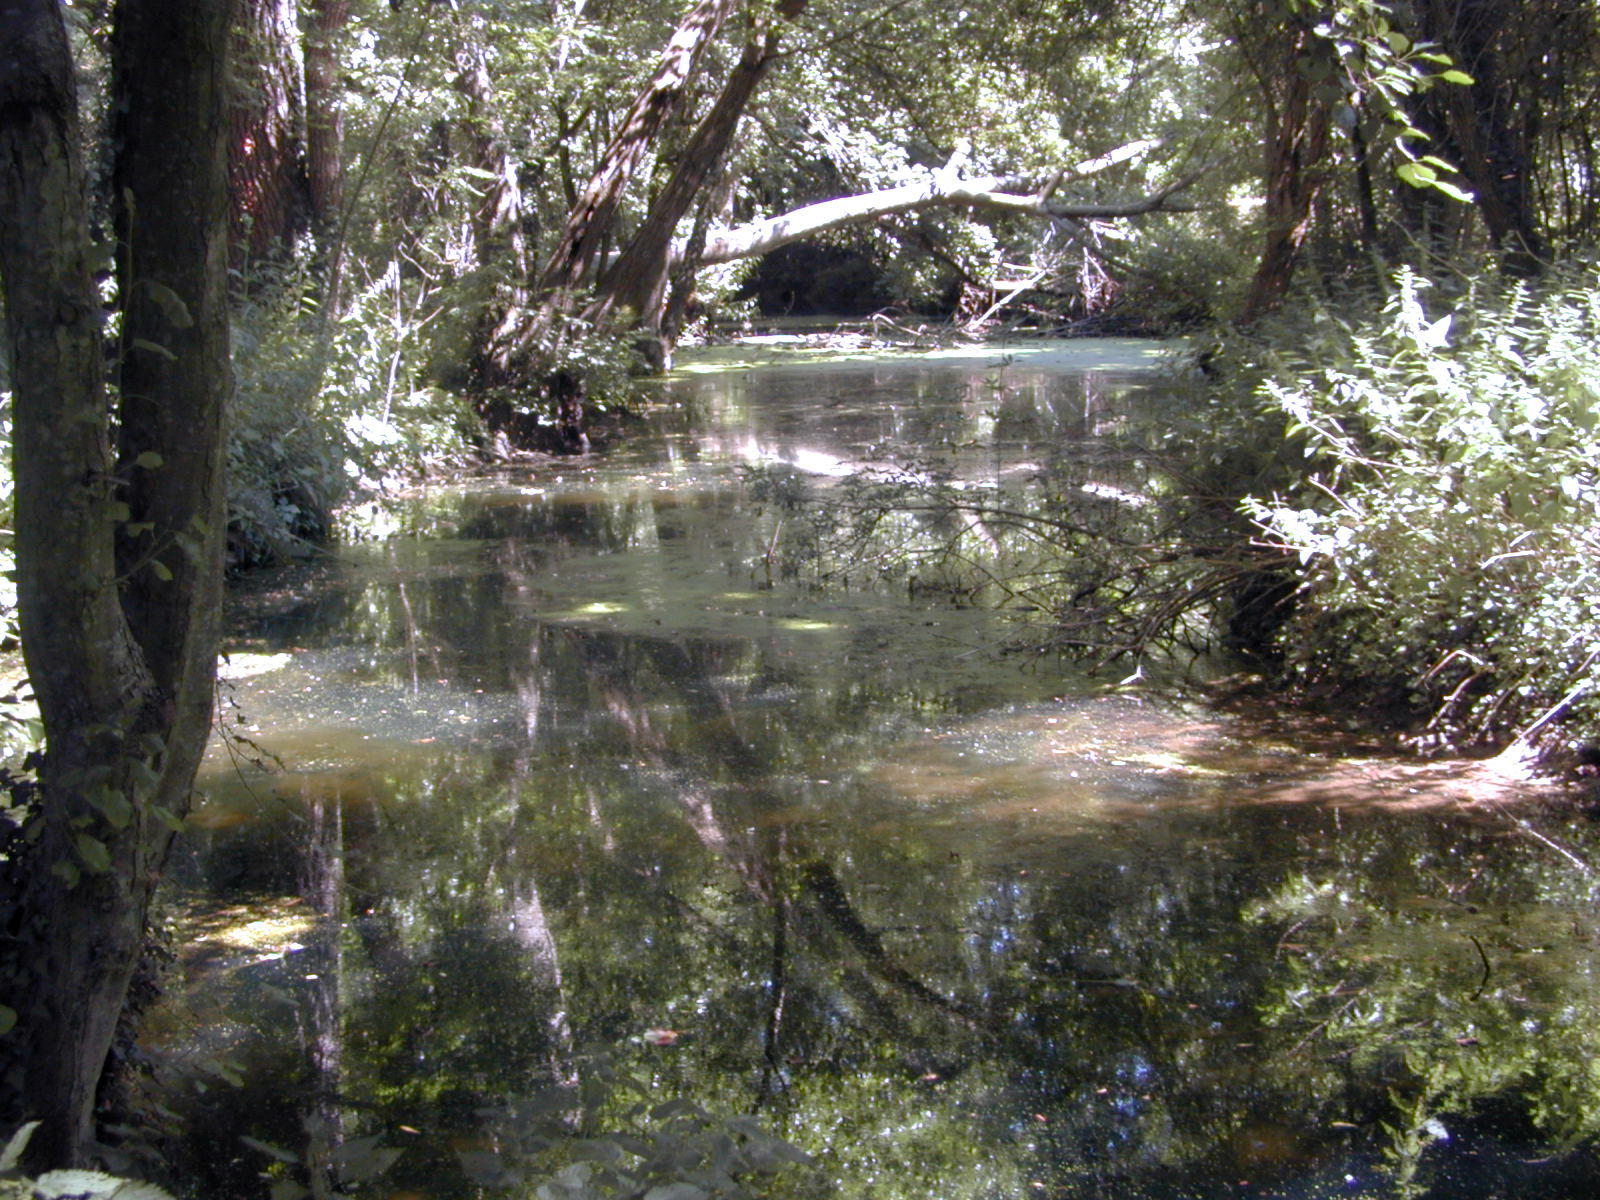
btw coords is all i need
(1447, 518)
(262, 261)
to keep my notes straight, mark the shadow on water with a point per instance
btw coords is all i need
(571, 797)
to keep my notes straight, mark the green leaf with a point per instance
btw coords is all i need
(171, 305)
(1417, 174)
(1455, 75)
(1451, 190)
(139, 528)
(67, 872)
(154, 348)
(93, 852)
(118, 511)
(149, 460)
(12, 1154)
(193, 549)
(8, 1022)
(168, 818)
(58, 1185)
(143, 773)
(676, 1191)
(160, 570)
(113, 805)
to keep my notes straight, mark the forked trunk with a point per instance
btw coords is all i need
(118, 562)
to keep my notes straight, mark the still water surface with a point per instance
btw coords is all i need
(576, 799)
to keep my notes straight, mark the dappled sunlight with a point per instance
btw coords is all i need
(597, 793)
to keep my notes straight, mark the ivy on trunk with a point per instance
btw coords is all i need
(119, 524)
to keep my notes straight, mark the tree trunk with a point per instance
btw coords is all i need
(498, 242)
(1022, 195)
(1489, 126)
(1297, 146)
(269, 185)
(589, 220)
(325, 139)
(120, 647)
(532, 343)
(637, 279)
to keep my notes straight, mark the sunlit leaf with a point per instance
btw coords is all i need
(12, 1154)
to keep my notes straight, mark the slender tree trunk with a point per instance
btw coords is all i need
(499, 245)
(119, 565)
(1297, 147)
(588, 222)
(1484, 132)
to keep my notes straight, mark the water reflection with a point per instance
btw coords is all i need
(572, 796)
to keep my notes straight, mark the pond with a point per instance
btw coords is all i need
(561, 840)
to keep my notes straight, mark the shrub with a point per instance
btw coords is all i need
(325, 411)
(1448, 519)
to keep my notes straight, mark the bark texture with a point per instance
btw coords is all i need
(1297, 148)
(272, 197)
(1490, 127)
(326, 20)
(120, 655)
(587, 223)
(638, 278)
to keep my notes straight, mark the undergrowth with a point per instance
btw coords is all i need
(328, 411)
(1447, 522)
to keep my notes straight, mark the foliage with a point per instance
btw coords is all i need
(65, 1185)
(1448, 517)
(326, 415)
(1442, 996)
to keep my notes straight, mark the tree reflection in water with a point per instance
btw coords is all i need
(577, 801)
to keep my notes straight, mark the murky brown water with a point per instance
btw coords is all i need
(580, 810)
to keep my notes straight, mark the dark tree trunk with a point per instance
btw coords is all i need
(1488, 128)
(499, 244)
(1296, 148)
(118, 565)
(637, 280)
